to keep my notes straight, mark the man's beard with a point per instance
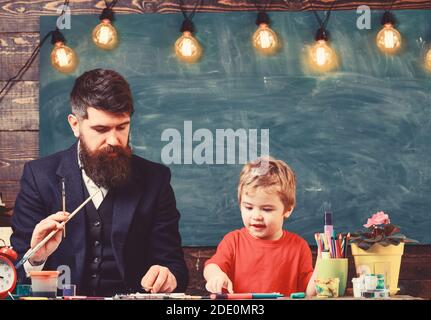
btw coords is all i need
(109, 167)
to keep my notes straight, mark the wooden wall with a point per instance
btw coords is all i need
(19, 110)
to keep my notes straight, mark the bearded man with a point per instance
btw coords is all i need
(127, 237)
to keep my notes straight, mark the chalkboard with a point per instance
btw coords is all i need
(358, 139)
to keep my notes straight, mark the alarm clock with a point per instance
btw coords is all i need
(8, 274)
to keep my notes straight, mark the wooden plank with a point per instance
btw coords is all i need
(195, 258)
(36, 8)
(15, 23)
(16, 148)
(415, 267)
(9, 190)
(20, 107)
(15, 50)
(416, 288)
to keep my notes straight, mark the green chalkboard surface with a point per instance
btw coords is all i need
(359, 138)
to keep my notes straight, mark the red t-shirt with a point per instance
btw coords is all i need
(256, 265)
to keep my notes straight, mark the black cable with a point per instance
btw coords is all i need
(65, 5)
(9, 83)
(108, 12)
(388, 17)
(187, 24)
(323, 23)
(24, 68)
(265, 6)
(191, 15)
(111, 4)
(392, 4)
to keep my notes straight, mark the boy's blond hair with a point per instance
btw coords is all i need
(268, 172)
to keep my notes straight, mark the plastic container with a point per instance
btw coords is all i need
(370, 282)
(23, 290)
(358, 287)
(69, 290)
(44, 283)
(327, 288)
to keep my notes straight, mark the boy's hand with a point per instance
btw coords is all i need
(216, 283)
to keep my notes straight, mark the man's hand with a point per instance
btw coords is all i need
(159, 279)
(216, 283)
(42, 229)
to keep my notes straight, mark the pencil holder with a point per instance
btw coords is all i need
(333, 268)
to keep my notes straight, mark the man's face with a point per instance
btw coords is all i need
(102, 129)
(104, 150)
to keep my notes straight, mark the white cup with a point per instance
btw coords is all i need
(358, 286)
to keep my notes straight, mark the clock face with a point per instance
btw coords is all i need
(7, 275)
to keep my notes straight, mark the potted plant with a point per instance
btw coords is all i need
(378, 249)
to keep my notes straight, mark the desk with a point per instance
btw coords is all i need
(348, 298)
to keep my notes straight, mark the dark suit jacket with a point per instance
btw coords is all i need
(145, 218)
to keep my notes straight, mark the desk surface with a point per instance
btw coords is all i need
(397, 297)
(142, 297)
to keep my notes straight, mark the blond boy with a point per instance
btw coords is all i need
(262, 257)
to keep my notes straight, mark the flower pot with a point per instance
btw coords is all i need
(380, 260)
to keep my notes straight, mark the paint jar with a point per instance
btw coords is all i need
(23, 290)
(44, 283)
(327, 288)
(380, 282)
(358, 287)
(69, 290)
(370, 282)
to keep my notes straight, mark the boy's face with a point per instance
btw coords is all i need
(263, 213)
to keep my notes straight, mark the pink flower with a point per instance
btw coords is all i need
(378, 218)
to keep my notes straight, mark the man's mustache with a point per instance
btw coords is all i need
(114, 149)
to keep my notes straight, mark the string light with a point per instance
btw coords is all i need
(428, 60)
(265, 40)
(187, 47)
(63, 58)
(322, 57)
(388, 39)
(104, 35)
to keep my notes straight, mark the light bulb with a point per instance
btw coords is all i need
(265, 40)
(105, 35)
(428, 60)
(388, 39)
(187, 48)
(322, 57)
(63, 58)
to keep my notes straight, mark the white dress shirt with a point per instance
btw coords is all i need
(97, 200)
(91, 186)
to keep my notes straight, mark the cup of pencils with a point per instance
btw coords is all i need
(333, 269)
(332, 259)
